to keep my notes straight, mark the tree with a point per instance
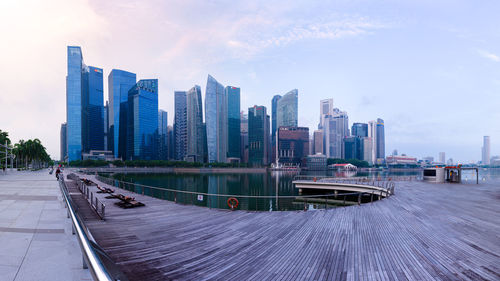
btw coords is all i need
(4, 136)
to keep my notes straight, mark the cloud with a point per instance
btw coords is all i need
(488, 55)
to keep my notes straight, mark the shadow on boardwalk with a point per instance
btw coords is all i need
(424, 232)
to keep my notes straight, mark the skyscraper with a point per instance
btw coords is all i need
(353, 147)
(119, 83)
(106, 125)
(274, 128)
(142, 120)
(74, 103)
(486, 151)
(258, 135)
(336, 128)
(233, 122)
(92, 110)
(244, 137)
(380, 141)
(442, 158)
(180, 125)
(372, 133)
(359, 130)
(318, 142)
(195, 134)
(293, 145)
(171, 142)
(326, 108)
(162, 135)
(64, 148)
(287, 110)
(367, 150)
(216, 121)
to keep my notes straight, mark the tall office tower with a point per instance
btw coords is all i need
(287, 110)
(269, 153)
(486, 151)
(360, 130)
(216, 121)
(180, 125)
(258, 135)
(74, 88)
(380, 141)
(442, 158)
(274, 128)
(336, 128)
(195, 134)
(293, 145)
(233, 122)
(162, 135)
(106, 125)
(372, 133)
(142, 120)
(325, 109)
(92, 109)
(318, 142)
(244, 137)
(311, 146)
(171, 142)
(367, 150)
(64, 145)
(119, 83)
(353, 147)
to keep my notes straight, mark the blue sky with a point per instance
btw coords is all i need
(430, 69)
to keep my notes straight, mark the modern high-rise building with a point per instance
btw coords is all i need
(380, 141)
(486, 151)
(359, 130)
(336, 128)
(442, 157)
(367, 150)
(142, 121)
(216, 121)
(74, 88)
(195, 134)
(171, 142)
(119, 83)
(372, 133)
(106, 126)
(293, 145)
(162, 135)
(287, 110)
(274, 128)
(244, 137)
(64, 148)
(326, 109)
(318, 142)
(258, 136)
(233, 122)
(92, 110)
(353, 147)
(180, 125)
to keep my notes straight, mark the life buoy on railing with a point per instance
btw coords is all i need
(233, 203)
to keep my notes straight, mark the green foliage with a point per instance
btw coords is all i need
(4, 136)
(356, 162)
(31, 151)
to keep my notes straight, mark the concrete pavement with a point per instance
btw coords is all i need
(36, 242)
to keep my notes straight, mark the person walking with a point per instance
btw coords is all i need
(58, 171)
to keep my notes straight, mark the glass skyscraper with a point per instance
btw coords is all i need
(195, 134)
(274, 128)
(142, 120)
(287, 110)
(74, 103)
(180, 125)
(64, 146)
(92, 110)
(162, 135)
(258, 136)
(360, 130)
(233, 122)
(216, 121)
(380, 141)
(119, 83)
(336, 128)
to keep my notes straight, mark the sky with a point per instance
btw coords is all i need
(430, 69)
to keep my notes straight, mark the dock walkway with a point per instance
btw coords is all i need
(424, 232)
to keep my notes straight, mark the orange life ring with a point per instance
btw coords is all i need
(232, 203)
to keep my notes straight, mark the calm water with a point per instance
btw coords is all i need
(259, 192)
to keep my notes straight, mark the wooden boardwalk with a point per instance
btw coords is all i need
(424, 232)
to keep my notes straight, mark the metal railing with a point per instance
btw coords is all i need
(94, 258)
(387, 185)
(95, 203)
(247, 202)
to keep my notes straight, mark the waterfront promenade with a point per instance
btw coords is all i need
(35, 235)
(424, 232)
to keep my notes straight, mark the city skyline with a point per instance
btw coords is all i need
(463, 56)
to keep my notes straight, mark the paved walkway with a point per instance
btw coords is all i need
(35, 235)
